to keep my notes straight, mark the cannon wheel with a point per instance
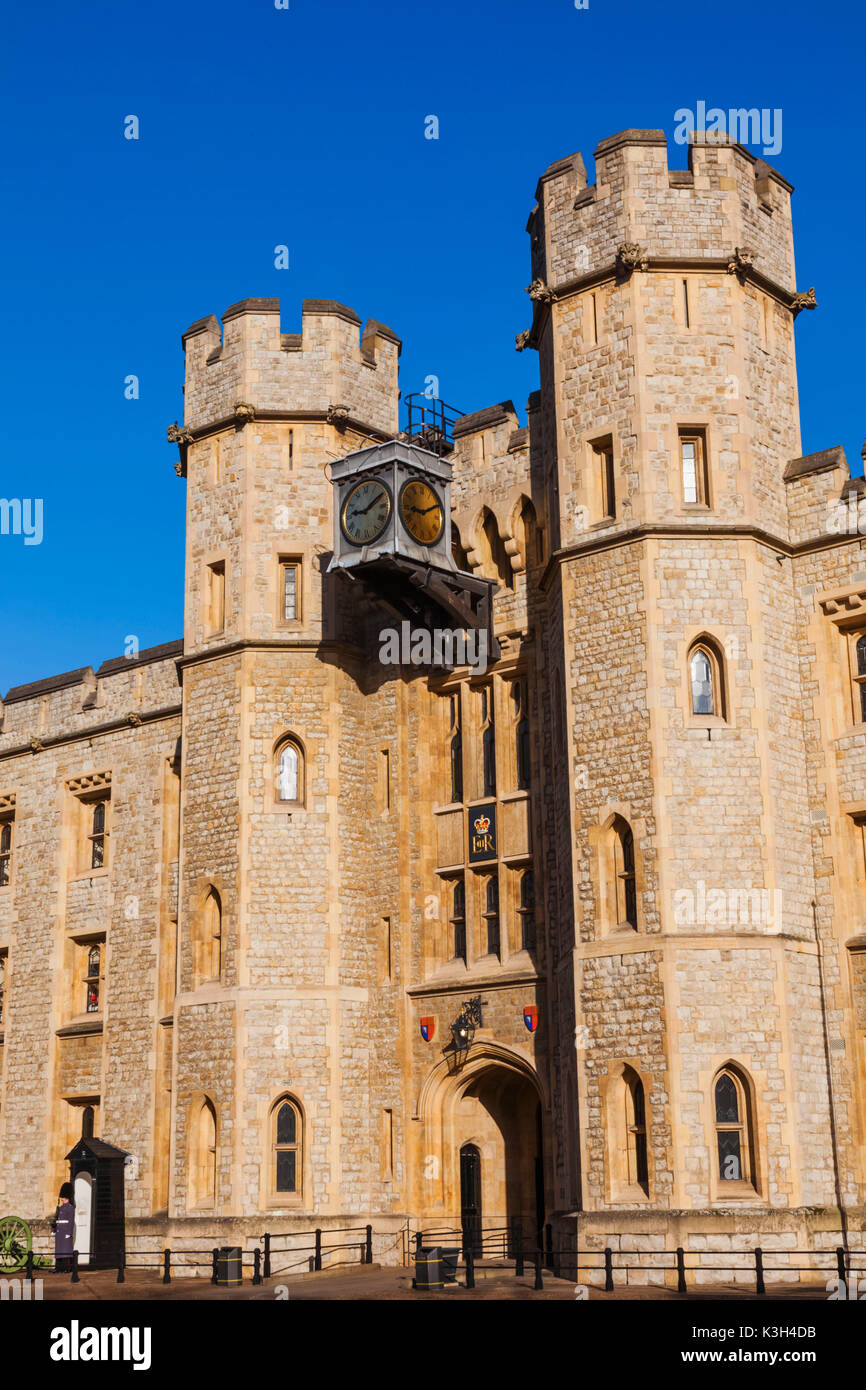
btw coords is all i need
(15, 1242)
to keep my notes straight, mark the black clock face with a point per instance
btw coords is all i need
(365, 512)
(421, 511)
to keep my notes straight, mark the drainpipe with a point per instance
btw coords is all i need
(843, 1218)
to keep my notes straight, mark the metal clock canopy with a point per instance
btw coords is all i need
(392, 531)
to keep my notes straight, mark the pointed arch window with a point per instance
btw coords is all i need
(203, 1156)
(456, 749)
(622, 898)
(210, 947)
(626, 878)
(5, 853)
(635, 1129)
(458, 919)
(289, 774)
(286, 1131)
(87, 1122)
(732, 1125)
(701, 677)
(488, 742)
(526, 910)
(99, 835)
(491, 915)
(521, 735)
(706, 689)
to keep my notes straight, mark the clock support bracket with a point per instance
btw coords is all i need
(426, 594)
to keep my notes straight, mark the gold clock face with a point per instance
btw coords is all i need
(365, 512)
(421, 512)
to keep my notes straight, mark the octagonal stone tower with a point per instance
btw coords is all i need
(274, 977)
(663, 312)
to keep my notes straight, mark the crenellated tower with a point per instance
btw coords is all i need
(275, 969)
(664, 300)
(265, 412)
(664, 304)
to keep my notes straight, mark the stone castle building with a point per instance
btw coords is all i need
(239, 904)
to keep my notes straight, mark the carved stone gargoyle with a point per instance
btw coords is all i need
(630, 256)
(742, 261)
(539, 292)
(806, 299)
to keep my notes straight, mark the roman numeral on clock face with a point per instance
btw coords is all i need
(365, 512)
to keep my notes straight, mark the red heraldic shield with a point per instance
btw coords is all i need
(530, 1017)
(428, 1028)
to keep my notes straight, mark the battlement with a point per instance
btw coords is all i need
(491, 416)
(328, 367)
(124, 689)
(726, 199)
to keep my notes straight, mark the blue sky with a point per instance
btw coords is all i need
(305, 127)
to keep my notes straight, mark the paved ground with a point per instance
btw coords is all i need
(379, 1284)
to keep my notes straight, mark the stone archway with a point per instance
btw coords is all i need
(492, 1105)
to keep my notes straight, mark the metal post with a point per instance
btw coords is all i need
(518, 1246)
(213, 1277)
(28, 1267)
(548, 1236)
(539, 1284)
(121, 1274)
(75, 1279)
(318, 1260)
(470, 1268)
(759, 1271)
(257, 1266)
(166, 1265)
(608, 1271)
(267, 1268)
(681, 1270)
(840, 1267)
(368, 1251)
(418, 1242)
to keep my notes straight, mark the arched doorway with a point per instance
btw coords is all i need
(484, 1135)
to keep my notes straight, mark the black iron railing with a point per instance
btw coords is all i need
(312, 1249)
(515, 1246)
(764, 1265)
(430, 422)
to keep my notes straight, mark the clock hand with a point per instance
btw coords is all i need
(364, 510)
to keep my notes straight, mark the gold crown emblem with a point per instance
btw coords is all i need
(482, 825)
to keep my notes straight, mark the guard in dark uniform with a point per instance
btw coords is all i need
(63, 1227)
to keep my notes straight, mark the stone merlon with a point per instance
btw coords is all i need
(329, 363)
(820, 462)
(484, 419)
(727, 198)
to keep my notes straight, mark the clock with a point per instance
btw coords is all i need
(421, 512)
(365, 512)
